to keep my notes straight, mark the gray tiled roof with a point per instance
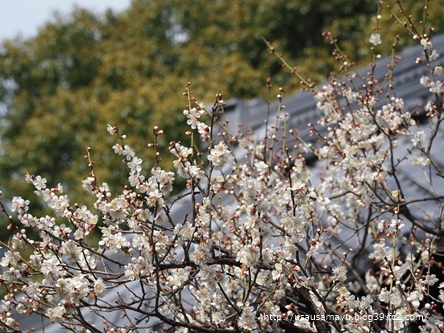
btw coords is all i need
(302, 107)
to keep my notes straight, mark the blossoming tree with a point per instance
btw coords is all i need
(259, 241)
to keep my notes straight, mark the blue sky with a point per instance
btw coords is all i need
(26, 16)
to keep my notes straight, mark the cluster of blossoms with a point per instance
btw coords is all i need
(219, 155)
(256, 234)
(193, 115)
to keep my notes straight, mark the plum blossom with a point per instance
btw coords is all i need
(415, 298)
(88, 184)
(128, 152)
(219, 155)
(111, 129)
(431, 279)
(56, 314)
(135, 165)
(19, 205)
(425, 81)
(339, 273)
(433, 55)
(39, 183)
(247, 319)
(426, 43)
(380, 251)
(435, 87)
(375, 39)
(419, 138)
(99, 286)
(193, 115)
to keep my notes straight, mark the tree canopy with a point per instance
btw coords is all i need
(60, 88)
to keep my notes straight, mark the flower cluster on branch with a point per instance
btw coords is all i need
(257, 235)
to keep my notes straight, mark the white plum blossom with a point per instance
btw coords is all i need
(88, 184)
(39, 183)
(219, 155)
(435, 87)
(19, 205)
(375, 39)
(56, 314)
(135, 165)
(128, 152)
(433, 55)
(431, 279)
(99, 287)
(340, 273)
(415, 298)
(193, 115)
(425, 81)
(419, 138)
(110, 129)
(247, 319)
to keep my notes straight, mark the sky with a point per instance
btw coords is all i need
(26, 16)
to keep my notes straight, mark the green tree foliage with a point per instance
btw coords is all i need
(60, 88)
